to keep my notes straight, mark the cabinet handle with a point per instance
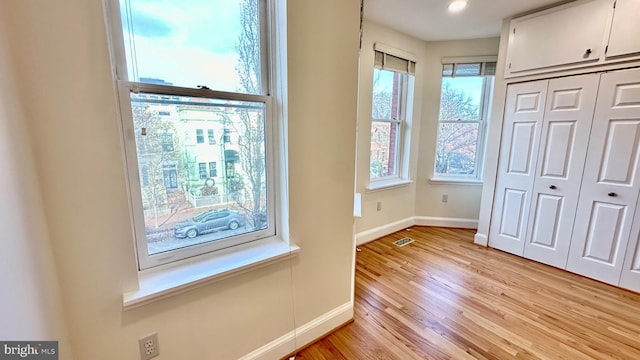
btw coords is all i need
(612, 194)
(552, 187)
(587, 53)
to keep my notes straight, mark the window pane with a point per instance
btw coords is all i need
(460, 98)
(180, 197)
(384, 149)
(387, 86)
(457, 146)
(215, 43)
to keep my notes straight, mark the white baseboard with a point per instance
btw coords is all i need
(380, 231)
(481, 239)
(446, 222)
(366, 236)
(303, 335)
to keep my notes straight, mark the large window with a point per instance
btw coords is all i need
(464, 108)
(391, 105)
(187, 71)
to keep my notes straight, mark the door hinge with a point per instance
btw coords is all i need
(509, 65)
(514, 30)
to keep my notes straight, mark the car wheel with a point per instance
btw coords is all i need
(233, 225)
(192, 233)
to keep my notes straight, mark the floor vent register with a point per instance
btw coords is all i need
(402, 242)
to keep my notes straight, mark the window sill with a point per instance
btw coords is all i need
(165, 281)
(388, 184)
(454, 181)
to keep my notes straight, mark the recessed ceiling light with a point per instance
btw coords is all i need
(457, 5)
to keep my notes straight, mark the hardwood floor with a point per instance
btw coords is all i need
(442, 297)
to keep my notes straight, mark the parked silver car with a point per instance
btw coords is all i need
(209, 221)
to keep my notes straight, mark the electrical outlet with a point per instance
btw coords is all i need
(149, 346)
(379, 206)
(445, 198)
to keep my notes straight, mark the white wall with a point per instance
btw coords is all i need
(464, 200)
(30, 306)
(63, 72)
(421, 198)
(397, 203)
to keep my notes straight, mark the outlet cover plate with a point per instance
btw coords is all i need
(149, 346)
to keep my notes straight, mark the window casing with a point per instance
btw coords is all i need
(392, 99)
(465, 101)
(175, 188)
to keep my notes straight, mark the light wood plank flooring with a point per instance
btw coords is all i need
(442, 297)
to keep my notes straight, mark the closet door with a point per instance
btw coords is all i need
(563, 147)
(610, 186)
(630, 277)
(524, 110)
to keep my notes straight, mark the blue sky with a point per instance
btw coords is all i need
(188, 43)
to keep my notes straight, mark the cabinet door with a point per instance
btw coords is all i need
(524, 110)
(610, 186)
(571, 35)
(563, 147)
(624, 39)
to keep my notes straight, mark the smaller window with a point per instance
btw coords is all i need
(389, 113)
(464, 108)
(202, 169)
(199, 136)
(212, 139)
(213, 171)
(167, 142)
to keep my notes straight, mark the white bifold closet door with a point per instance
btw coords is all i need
(524, 111)
(563, 146)
(611, 181)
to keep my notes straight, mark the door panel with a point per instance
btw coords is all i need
(512, 212)
(610, 186)
(619, 166)
(559, 137)
(545, 221)
(566, 128)
(521, 148)
(524, 110)
(603, 235)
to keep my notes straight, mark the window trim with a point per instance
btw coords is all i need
(482, 121)
(272, 35)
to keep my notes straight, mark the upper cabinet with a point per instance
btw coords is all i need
(624, 39)
(575, 35)
(568, 36)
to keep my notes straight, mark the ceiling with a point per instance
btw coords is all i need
(429, 20)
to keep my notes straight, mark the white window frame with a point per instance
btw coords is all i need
(482, 121)
(406, 99)
(272, 128)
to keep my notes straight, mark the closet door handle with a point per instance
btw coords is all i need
(552, 187)
(612, 194)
